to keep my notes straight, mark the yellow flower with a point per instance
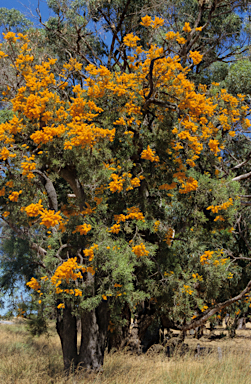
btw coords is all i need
(213, 145)
(90, 252)
(61, 306)
(34, 284)
(83, 229)
(156, 225)
(33, 210)
(158, 22)
(69, 270)
(206, 256)
(78, 292)
(140, 250)
(10, 36)
(130, 40)
(187, 28)
(146, 21)
(28, 166)
(14, 196)
(115, 228)
(50, 218)
(171, 35)
(196, 57)
(181, 40)
(148, 154)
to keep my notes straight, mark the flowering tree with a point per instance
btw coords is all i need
(97, 166)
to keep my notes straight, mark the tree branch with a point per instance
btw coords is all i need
(242, 177)
(69, 174)
(49, 187)
(210, 312)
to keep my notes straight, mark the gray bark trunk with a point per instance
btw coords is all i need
(67, 331)
(94, 326)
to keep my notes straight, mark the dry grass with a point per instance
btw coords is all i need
(24, 360)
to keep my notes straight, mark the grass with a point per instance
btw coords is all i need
(26, 360)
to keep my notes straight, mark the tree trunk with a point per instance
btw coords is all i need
(94, 326)
(67, 331)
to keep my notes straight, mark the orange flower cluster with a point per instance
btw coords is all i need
(140, 250)
(213, 145)
(148, 22)
(115, 228)
(207, 255)
(196, 57)
(34, 210)
(133, 213)
(190, 185)
(83, 229)
(187, 289)
(187, 28)
(69, 270)
(169, 236)
(5, 154)
(117, 184)
(34, 284)
(156, 225)
(50, 218)
(223, 206)
(167, 187)
(28, 166)
(90, 252)
(14, 196)
(148, 154)
(130, 40)
(220, 218)
(196, 276)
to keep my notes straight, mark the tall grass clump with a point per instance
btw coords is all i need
(27, 360)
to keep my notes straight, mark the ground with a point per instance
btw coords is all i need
(27, 360)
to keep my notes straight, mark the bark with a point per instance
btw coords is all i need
(94, 326)
(67, 331)
(242, 177)
(69, 174)
(49, 187)
(145, 330)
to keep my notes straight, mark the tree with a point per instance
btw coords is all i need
(99, 169)
(13, 20)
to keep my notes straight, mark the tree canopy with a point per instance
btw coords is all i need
(124, 168)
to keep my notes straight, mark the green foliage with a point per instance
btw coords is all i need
(238, 79)
(13, 20)
(181, 275)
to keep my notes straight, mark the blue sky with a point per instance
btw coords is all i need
(28, 7)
